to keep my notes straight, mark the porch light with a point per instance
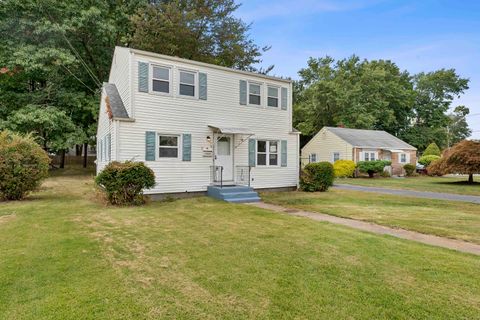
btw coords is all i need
(209, 140)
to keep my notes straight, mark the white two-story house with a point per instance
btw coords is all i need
(197, 125)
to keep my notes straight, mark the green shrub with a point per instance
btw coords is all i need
(409, 169)
(385, 174)
(344, 168)
(317, 177)
(432, 150)
(372, 167)
(23, 165)
(427, 159)
(124, 182)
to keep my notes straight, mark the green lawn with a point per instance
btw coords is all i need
(421, 183)
(450, 219)
(64, 255)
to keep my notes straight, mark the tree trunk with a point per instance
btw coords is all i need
(470, 178)
(62, 159)
(370, 173)
(85, 154)
(78, 150)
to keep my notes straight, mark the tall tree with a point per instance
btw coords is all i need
(352, 92)
(435, 92)
(457, 129)
(203, 30)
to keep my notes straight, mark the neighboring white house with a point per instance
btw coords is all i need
(332, 144)
(195, 124)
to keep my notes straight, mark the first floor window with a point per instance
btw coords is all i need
(168, 146)
(187, 83)
(313, 157)
(272, 97)
(369, 156)
(403, 157)
(254, 96)
(267, 153)
(336, 156)
(161, 79)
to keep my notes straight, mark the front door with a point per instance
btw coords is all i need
(224, 155)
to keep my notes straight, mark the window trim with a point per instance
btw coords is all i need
(311, 156)
(195, 84)
(333, 156)
(170, 79)
(178, 147)
(267, 153)
(403, 154)
(367, 156)
(248, 93)
(278, 97)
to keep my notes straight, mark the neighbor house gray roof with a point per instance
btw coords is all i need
(115, 101)
(370, 138)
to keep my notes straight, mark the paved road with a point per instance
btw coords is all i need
(411, 193)
(458, 245)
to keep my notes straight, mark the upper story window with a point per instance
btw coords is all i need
(168, 146)
(267, 153)
(187, 83)
(161, 79)
(254, 94)
(272, 97)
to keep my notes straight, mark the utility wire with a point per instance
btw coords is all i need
(93, 91)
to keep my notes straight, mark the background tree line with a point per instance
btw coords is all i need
(378, 95)
(55, 55)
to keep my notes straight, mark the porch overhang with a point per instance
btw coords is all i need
(395, 150)
(231, 130)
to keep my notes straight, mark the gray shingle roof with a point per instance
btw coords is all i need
(370, 138)
(116, 103)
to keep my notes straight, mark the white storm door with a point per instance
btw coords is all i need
(224, 155)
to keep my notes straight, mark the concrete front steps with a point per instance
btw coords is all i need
(233, 193)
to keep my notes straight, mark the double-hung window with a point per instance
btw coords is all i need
(272, 99)
(187, 83)
(267, 153)
(160, 79)
(336, 156)
(369, 156)
(254, 94)
(168, 146)
(313, 157)
(403, 157)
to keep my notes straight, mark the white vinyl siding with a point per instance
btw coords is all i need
(176, 114)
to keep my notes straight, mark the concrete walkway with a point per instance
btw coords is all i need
(458, 245)
(411, 193)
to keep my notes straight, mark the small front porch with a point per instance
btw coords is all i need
(230, 181)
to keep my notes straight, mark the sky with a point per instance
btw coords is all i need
(422, 35)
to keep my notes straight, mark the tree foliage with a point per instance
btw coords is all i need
(198, 30)
(378, 95)
(462, 158)
(372, 167)
(23, 165)
(432, 150)
(427, 159)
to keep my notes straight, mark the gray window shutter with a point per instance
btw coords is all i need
(150, 141)
(187, 147)
(109, 147)
(284, 153)
(142, 76)
(251, 152)
(243, 92)
(202, 84)
(284, 98)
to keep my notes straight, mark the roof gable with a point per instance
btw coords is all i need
(370, 138)
(115, 102)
